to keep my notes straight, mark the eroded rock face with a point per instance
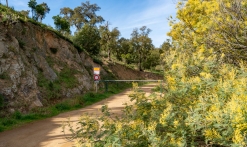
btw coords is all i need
(31, 57)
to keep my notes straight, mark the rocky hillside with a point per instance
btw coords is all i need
(37, 66)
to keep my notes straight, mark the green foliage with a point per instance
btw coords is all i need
(21, 44)
(124, 50)
(81, 15)
(17, 118)
(88, 38)
(40, 11)
(97, 60)
(24, 13)
(63, 106)
(67, 77)
(152, 60)
(17, 115)
(109, 39)
(216, 24)
(202, 109)
(9, 15)
(4, 76)
(51, 90)
(166, 46)
(205, 99)
(6, 122)
(32, 4)
(141, 44)
(62, 25)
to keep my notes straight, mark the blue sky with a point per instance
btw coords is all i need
(124, 14)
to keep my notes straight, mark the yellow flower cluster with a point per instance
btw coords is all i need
(211, 134)
(165, 114)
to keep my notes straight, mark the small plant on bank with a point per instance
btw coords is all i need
(4, 76)
(97, 60)
(21, 44)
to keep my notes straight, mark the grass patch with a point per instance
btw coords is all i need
(50, 61)
(17, 119)
(52, 89)
(4, 76)
(67, 77)
(34, 49)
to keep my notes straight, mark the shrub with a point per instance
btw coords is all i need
(17, 115)
(21, 44)
(8, 122)
(34, 49)
(63, 106)
(97, 60)
(4, 76)
(200, 108)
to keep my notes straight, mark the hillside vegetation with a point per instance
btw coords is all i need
(204, 103)
(42, 72)
(205, 97)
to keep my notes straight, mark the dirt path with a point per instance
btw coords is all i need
(48, 132)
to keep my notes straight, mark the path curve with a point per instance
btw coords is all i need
(48, 132)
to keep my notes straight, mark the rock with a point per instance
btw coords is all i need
(46, 69)
(36, 103)
(11, 110)
(27, 61)
(3, 49)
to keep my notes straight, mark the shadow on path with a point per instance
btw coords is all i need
(48, 132)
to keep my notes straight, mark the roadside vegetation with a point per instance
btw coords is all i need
(93, 36)
(204, 102)
(16, 119)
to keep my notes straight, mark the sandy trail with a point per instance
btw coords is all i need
(48, 132)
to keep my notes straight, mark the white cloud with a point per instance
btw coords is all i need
(154, 16)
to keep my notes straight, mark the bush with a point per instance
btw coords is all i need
(4, 76)
(97, 60)
(8, 122)
(21, 44)
(63, 106)
(198, 109)
(17, 115)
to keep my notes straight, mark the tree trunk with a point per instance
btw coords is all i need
(140, 62)
(109, 55)
(7, 3)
